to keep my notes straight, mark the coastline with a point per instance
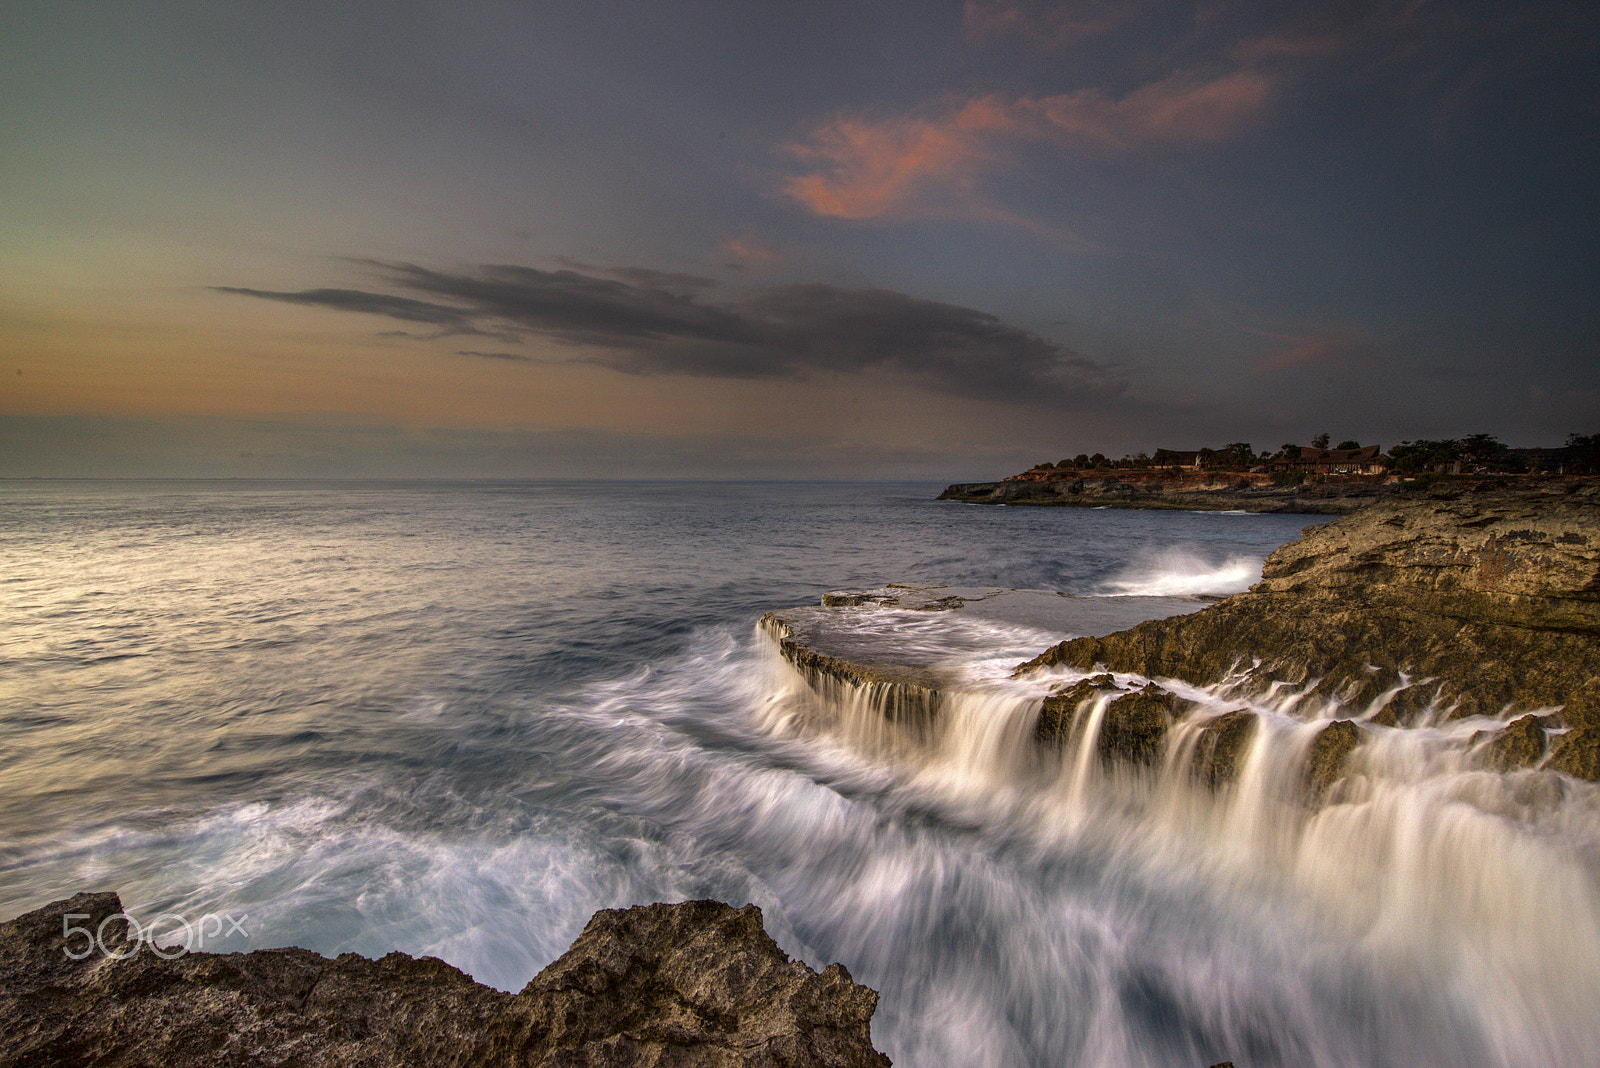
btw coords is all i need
(1251, 493)
(1478, 601)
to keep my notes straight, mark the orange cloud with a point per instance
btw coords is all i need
(864, 169)
(1174, 110)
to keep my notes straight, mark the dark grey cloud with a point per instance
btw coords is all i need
(356, 300)
(649, 278)
(651, 323)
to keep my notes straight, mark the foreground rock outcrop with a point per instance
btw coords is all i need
(1480, 606)
(693, 984)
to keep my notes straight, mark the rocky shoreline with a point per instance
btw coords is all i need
(1423, 611)
(692, 984)
(1247, 493)
(1400, 614)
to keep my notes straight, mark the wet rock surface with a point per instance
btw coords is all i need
(1444, 608)
(692, 984)
(1223, 743)
(1326, 759)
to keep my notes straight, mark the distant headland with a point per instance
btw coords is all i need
(1313, 479)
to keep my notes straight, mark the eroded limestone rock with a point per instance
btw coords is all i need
(1224, 742)
(1521, 744)
(1497, 600)
(1328, 755)
(1577, 753)
(693, 984)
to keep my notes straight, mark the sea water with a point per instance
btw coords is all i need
(456, 718)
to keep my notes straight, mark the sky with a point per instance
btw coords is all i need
(931, 240)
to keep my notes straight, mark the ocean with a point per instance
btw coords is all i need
(456, 718)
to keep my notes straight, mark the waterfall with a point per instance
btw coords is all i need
(1469, 895)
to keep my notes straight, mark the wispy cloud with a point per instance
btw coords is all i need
(864, 168)
(356, 300)
(793, 331)
(1043, 25)
(751, 249)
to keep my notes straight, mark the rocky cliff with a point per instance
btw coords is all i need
(1483, 604)
(693, 984)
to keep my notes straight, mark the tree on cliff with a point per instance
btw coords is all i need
(1583, 454)
(1425, 455)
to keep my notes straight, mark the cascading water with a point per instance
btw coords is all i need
(1427, 911)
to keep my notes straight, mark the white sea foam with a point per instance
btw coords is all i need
(1413, 888)
(1178, 572)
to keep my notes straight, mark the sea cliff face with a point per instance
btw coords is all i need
(692, 984)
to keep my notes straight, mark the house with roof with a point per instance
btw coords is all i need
(1190, 460)
(1366, 460)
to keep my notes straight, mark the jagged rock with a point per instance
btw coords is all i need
(1135, 727)
(1220, 751)
(694, 984)
(1497, 598)
(1577, 753)
(1520, 745)
(1326, 757)
(856, 600)
(1405, 707)
(1583, 705)
(1059, 711)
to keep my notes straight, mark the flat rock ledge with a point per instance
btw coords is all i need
(909, 684)
(692, 984)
